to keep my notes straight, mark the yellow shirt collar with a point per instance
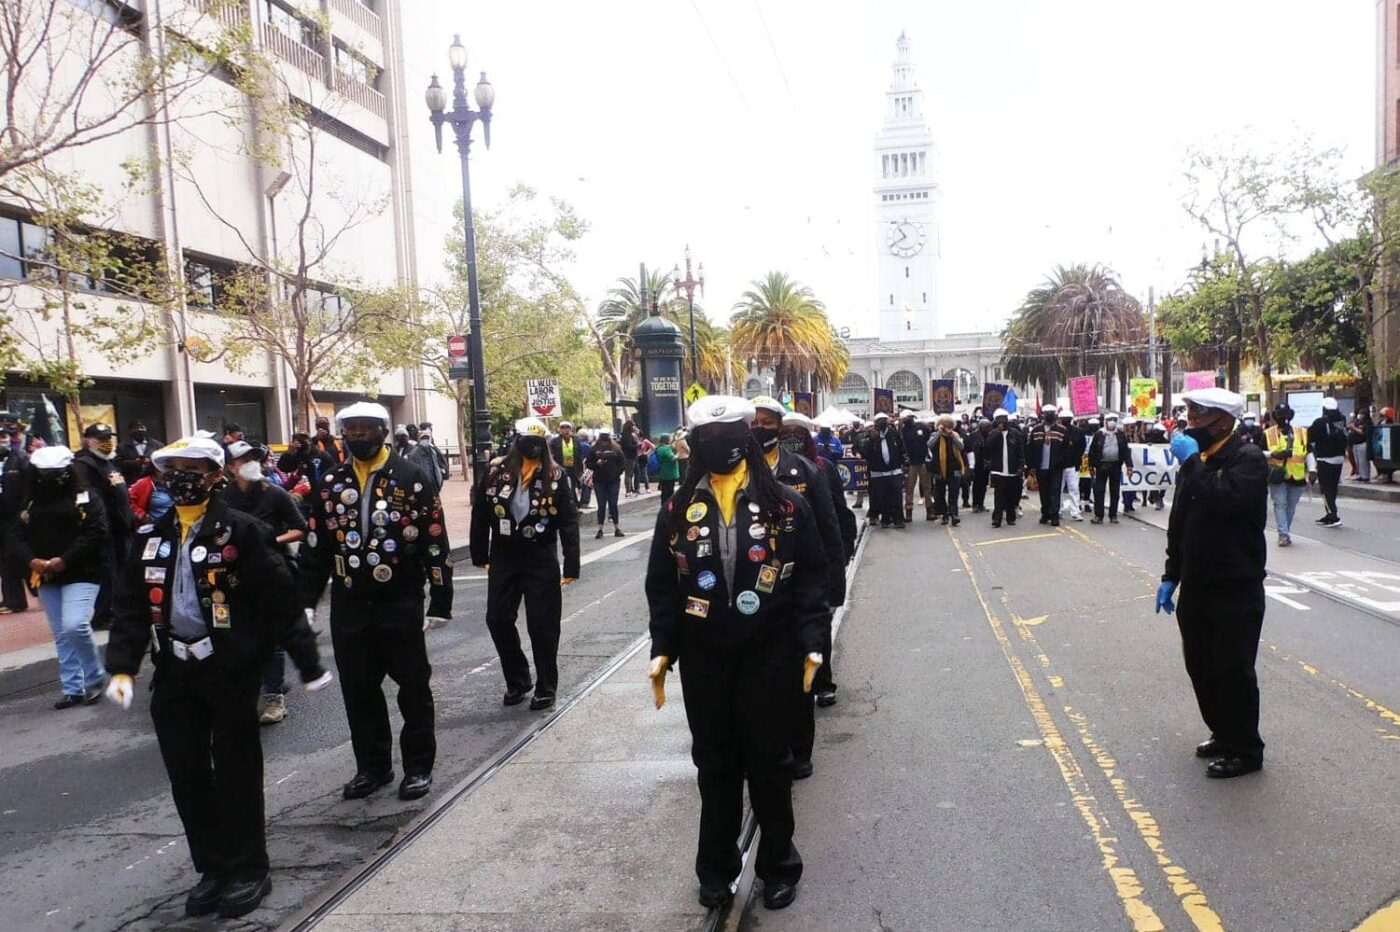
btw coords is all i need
(726, 486)
(190, 515)
(528, 468)
(772, 457)
(365, 468)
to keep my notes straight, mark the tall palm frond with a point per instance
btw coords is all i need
(779, 324)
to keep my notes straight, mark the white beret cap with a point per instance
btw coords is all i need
(1001, 412)
(531, 427)
(1049, 409)
(54, 457)
(768, 403)
(881, 415)
(1220, 398)
(800, 419)
(568, 424)
(364, 409)
(239, 448)
(720, 409)
(1329, 404)
(189, 448)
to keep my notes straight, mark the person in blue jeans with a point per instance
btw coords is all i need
(63, 540)
(608, 463)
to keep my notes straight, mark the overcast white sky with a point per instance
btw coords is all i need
(1060, 126)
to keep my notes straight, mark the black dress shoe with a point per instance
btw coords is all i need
(801, 770)
(1010, 522)
(826, 698)
(538, 702)
(1044, 520)
(415, 785)
(365, 783)
(1228, 767)
(1210, 748)
(996, 524)
(204, 896)
(92, 695)
(957, 521)
(712, 897)
(778, 895)
(515, 696)
(67, 702)
(241, 897)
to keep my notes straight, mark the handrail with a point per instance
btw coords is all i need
(294, 53)
(360, 15)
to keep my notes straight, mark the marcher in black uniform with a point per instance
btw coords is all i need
(207, 582)
(736, 576)
(803, 476)
(14, 492)
(1216, 552)
(1006, 461)
(1251, 432)
(976, 444)
(948, 466)
(378, 525)
(134, 454)
(521, 513)
(1108, 459)
(95, 464)
(884, 452)
(914, 438)
(1049, 452)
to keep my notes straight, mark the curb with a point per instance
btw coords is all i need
(1376, 492)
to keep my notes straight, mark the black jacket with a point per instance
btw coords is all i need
(426, 457)
(1096, 451)
(870, 450)
(802, 475)
(131, 461)
(556, 450)
(783, 566)
(497, 538)
(1254, 435)
(607, 463)
(73, 527)
(1063, 453)
(951, 453)
(1015, 451)
(378, 558)
(1328, 435)
(246, 592)
(845, 517)
(915, 438)
(974, 442)
(1216, 529)
(104, 480)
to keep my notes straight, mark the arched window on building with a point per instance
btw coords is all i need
(908, 388)
(854, 393)
(752, 388)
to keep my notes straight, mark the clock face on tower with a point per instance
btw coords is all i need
(905, 238)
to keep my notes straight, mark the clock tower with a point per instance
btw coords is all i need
(906, 210)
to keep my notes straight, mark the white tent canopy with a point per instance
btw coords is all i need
(835, 417)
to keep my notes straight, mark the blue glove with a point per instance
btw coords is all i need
(1184, 447)
(1165, 591)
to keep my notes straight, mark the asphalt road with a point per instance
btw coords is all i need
(89, 838)
(1013, 748)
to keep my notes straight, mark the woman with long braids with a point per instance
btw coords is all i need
(522, 512)
(735, 579)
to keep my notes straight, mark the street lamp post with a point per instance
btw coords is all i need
(462, 119)
(688, 285)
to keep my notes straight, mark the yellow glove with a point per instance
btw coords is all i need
(809, 670)
(659, 665)
(568, 580)
(120, 690)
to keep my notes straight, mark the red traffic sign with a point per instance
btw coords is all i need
(456, 346)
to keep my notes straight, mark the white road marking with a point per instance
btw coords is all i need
(1281, 593)
(598, 554)
(1351, 584)
(287, 777)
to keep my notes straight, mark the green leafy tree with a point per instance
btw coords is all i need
(779, 323)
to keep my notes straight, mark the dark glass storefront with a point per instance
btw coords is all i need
(113, 401)
(217, 406)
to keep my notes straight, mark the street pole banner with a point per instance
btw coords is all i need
(1203, 379)
(993, 397)
(944, 395)
(804, 403)
(1151, 467)
(542, 397)
(1143, 395)
(854, 473)
(1084, 395)
(883, 400)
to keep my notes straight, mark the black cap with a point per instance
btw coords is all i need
(100, 431)
(136, 425)
(9, 416)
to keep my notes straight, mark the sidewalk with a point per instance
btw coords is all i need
(1374, 490)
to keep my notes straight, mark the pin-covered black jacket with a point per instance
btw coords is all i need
(870, 450)
(915, 438)
(246, 595)
(105, 480)
(845, 517)
(1216, 529)
(496, 537)
(779, 571)
(73, 527)
(802, 475)
(382, 542)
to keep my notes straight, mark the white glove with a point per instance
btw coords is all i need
(120, 690)
(434, 621)
(310, 615)
(319, 683)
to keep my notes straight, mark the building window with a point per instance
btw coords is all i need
(908, 388)
(352, 66)
(287, 22)
(207, 281)
(891, 300)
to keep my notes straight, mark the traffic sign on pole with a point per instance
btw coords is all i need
(456, 347)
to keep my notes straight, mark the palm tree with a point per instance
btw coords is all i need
(623, 309)
(779, 324)
(1080, 321)
(718, 365)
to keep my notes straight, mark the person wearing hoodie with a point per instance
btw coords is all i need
(96, 466)
(1327, 448)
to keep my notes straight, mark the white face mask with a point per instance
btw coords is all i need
(250, 472)
(1111, 426)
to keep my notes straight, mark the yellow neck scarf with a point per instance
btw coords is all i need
(363, 468)
(528, 468)
(772, 457)
(726, 486)
(190, 515)
(1214, 447)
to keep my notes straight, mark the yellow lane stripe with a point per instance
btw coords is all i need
(1125, 882)
(1012, 540)
(1386, 919)
(1389, 716)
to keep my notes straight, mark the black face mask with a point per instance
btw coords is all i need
(1050, 420)
(531, 448)
(767, 437)
(793, 444)
(720, 449)
(139, 436)
(1201, 435)
(51, 483)
(185, 486)
(364, 450)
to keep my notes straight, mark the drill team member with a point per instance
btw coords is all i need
(377, 524)
(1006, 459)
(208, 594)
(1048, 452)
(1215, 552)
(96, 467)
(948, 465)
(736, 576)
(523, 510)
(884, 452)
(914, 437)
(804, 477)
(1109, 459)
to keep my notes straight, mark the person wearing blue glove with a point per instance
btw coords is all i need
(1216, 553)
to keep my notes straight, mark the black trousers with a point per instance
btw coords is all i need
(1051, 482)
(740, 730)
(945, 494)
(1220, 626)
(1112, 477)
(207, 726)
(886, 499)
(102, 609)
(537, 582)
(824, 681)
(12, 585)
(1006, 497)
(373, 640)
(980, 477)
(1329, 476)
